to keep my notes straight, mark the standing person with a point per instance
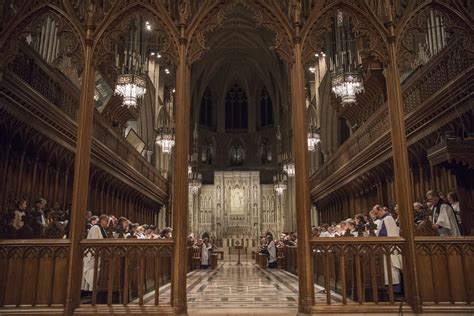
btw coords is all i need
(444, 219)
(388, 228)
(39, 223)
(97, 231)
(272, 258)
(454, 201)
(205, 249)
(18, 221)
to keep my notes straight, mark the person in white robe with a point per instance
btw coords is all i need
(444, 218)
(205, 249)
(272, 253)
(387, 227)
(96, 232)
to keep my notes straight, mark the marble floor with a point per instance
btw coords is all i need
(239, 290)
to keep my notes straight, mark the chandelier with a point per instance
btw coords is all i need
(131, 87)
(279, 183)
(313, 138)
(344, 60)
(195, 182)
(165, 139)
(346, 85)
(289, 168)
(132, 63)
(288, 165)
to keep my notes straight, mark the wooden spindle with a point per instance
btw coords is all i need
(94, 279)
(50, 294)
(141, 277)
(389, 274)
(157, 280)
(373, 277)
(110, 281)
(125, 281)
(342, 267)
(358, 277)
(327, 279)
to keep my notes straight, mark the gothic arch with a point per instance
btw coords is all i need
(213, 15)
(29, 16)
(108, 31)
(366, 22)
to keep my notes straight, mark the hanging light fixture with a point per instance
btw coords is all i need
(344, 61)
(288, 165)
(313, 138)
(131, 80)
(195, 182)
(279, 183)
(165, 139)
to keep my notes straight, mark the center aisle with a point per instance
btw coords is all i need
(242, 288)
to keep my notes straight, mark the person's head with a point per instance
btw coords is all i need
(167, 232)
(351, 224)
(94, 220)
(56, 205)
(453, 197)
(324, 227)
(39, 204)
(21, 205)
(43, 202)
(88, 214)
(269, 238)
(331, 229)
(359, 219)
(417, 206)
(104, 221)
(379, 211)
(433, 196)
(343, 225)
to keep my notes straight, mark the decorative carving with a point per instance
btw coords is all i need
(219, 12)
(314, 38)
(30, 28)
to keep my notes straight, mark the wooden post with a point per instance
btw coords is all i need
(402, 185)
(303, 202)
(180, 183)
(81, 178)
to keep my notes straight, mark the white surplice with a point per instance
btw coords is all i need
(446, 219)
(88, 268)
(396, 260)
(205, 254)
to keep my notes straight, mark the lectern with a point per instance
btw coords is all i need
(238, 246)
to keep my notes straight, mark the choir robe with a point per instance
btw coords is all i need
(96, 232)
(388, 228)
(444, 216)
(272, 252)
(205, 254)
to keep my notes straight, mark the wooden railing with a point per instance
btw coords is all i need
(124, 271)
(423, 96)
(33, 274)
(356, 270)
(445, 272)
(56, 89)
(353, 274)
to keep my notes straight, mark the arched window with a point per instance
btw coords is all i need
(266, 114)
(207, 152)
(266, 151)
(237, 154)
(205, 117)
(236, 109)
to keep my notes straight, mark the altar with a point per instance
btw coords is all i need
(237, 207)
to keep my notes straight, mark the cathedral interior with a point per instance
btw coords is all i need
(133, 134)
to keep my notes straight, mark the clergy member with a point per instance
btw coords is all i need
(272, 258)
(97, 231)
(388, 228)
(444, 218)
(205, 248)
